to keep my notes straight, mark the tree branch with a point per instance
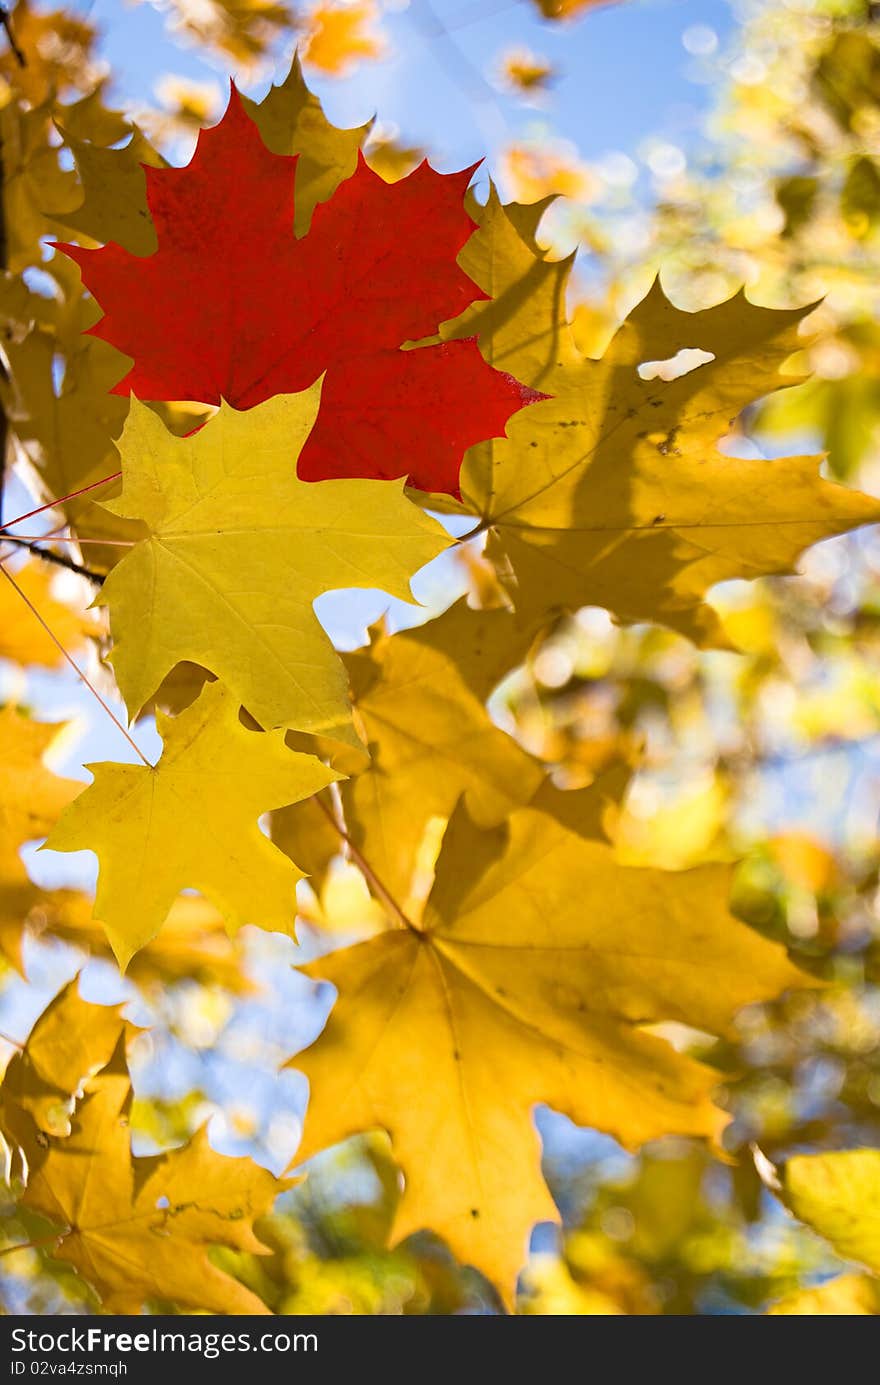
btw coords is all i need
(6, 21)
(59, 559)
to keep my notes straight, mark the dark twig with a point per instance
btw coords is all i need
(6, 21)
(59, 559)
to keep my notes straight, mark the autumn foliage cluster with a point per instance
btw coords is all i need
(285, 375)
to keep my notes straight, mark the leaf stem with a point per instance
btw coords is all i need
(62, 499)
(35, 1245)
(480, 528)
(379, 888)
(51, 537)
(75, 666)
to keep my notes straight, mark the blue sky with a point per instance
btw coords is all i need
(624, 73)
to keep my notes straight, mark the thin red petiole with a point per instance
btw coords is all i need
(53, 504)
(75, 666)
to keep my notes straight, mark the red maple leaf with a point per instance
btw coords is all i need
(231, 305)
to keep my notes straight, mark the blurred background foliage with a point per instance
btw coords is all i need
(769, 753)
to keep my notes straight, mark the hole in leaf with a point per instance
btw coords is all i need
(682, 363)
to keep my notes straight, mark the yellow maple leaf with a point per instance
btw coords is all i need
(838, 1195)
(539, 961)
(306, 833)
(65, 429)
(31, 800)
(32, 178)
(291, 120)
(71, 1041)
(389, 158)
(430, 740)
(139, 1229)
(192, 822)
(337, 36)
(113, 206)
(68, 434)
(237, 550)
(22, 638)
(845, 1296)
(614, 492)
(522, 328)
(90, 118)
(484, 643)
(193, 943)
